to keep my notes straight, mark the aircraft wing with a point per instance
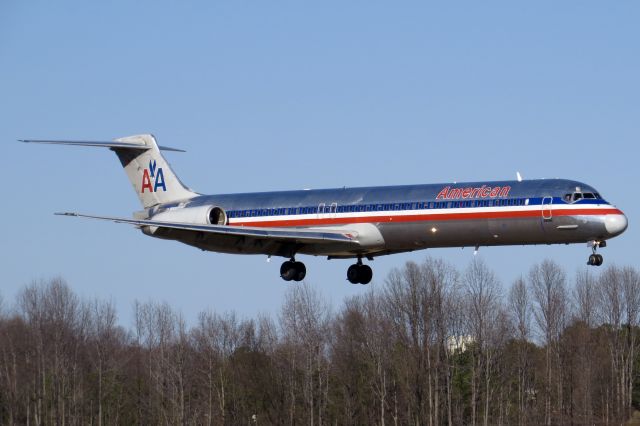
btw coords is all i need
(296, 236)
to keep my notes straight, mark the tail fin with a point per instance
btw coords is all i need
(150, 174)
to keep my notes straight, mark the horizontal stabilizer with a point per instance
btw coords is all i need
(109, 144)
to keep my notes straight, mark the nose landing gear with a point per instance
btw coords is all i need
(292, 270)
(596, 259)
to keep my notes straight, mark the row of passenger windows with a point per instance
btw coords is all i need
(333, 208)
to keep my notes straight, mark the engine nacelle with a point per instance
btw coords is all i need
(202, 215)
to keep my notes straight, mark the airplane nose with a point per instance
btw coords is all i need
(616, 224)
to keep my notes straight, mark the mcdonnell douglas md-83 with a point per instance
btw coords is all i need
(357, 223)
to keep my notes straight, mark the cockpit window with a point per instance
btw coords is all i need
(572, 198)
(577, 196)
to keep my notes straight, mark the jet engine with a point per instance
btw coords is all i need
(201, 215)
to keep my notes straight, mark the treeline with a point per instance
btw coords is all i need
(433, 345)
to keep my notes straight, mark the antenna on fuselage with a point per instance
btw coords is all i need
(519, 176)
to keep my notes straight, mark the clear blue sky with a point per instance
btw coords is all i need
(289, 95)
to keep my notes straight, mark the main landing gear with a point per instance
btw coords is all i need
(292, 270)
(596, 259)
(359, 273)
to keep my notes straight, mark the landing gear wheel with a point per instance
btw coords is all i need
(288, 270)
(301, 271)
(359, 274)
(366, 273)
(595, 259)
(353, 274)
(293, 271)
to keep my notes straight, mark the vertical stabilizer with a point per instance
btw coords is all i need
(150, 174)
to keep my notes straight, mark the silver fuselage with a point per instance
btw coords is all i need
(405, 218)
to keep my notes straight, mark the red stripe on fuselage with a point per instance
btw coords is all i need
(508, 214)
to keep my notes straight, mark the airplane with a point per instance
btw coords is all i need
(357, 223)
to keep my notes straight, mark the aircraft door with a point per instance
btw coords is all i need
(330, 210)
(547, 209)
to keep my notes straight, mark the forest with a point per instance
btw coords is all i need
(430, 344)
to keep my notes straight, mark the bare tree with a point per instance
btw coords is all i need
(631, 289)
(217, 338)
(102, 332)
(57, 321)
(161, 332)
(547, 282)
(483, 299)
(520, 310)
(619, 308)
(304, 321)
(611, 313)
(422, 304)
(585, 317)
(404, 295)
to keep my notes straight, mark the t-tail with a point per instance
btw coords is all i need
(150, 174)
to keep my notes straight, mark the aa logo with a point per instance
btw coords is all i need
(154, 174)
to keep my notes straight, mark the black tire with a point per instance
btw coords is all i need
(353, 274)
(593, 260)
(366, 273)
(599, 259)
(288, 270)
(300, 271)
